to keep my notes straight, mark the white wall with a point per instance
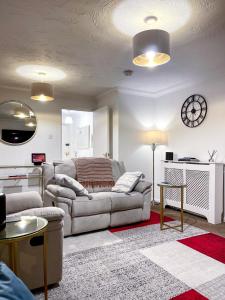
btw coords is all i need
(136, 113)
(111, 99)
(48, 136)
(196, 142)
(209, 135)
(131, 115)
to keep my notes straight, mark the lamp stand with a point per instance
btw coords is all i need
(153, 173)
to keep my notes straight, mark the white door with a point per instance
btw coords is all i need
(101, 132)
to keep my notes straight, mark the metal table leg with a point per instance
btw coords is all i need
(45, 264)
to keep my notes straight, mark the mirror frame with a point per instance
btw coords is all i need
(35, 132)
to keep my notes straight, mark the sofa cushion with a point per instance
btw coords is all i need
(122, 201)
(99, 204)
(69, 182)
(127, 182)
(61, 191)
(142, 186)
(118, 169)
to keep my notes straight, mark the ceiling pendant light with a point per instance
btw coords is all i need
(42, 91)
(151, 48)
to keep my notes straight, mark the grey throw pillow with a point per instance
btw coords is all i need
(66, 181)
(142, 186)
(127, 182)
(61, 191)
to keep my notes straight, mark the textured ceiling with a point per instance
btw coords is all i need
(79, 37)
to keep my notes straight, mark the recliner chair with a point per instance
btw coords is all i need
(30, 266)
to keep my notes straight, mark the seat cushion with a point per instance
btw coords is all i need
(99, 204)
(122, 201)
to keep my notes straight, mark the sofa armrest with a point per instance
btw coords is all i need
(60, 191)
(49, 213)
(17, 202)
(51, 200)
(143, 186)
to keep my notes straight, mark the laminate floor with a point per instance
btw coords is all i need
(193, 220)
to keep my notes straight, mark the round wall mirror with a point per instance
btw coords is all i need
(17, 123)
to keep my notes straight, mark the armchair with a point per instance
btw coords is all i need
(30, 253)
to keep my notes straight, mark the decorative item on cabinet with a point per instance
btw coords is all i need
(169, 155)
(212, 156)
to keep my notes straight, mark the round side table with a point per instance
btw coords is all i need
(26, 228)
(166, 185)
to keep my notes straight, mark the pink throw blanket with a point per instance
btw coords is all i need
(94, 172)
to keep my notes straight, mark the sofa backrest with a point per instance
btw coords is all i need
(68, 168)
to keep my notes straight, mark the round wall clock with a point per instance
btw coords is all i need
(194, 110)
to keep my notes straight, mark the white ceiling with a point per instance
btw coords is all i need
(80, 38)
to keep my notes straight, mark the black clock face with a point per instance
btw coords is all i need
(194, 110)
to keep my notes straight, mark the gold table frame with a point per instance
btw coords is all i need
(164, 226)
(13, 252)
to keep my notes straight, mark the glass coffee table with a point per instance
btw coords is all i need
(26, 228)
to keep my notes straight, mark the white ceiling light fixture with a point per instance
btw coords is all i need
(150, 20)
(33, 72)
(151, 48)
(171, 15)
(68, 120)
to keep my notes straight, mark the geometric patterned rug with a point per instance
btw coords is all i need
(146, 263)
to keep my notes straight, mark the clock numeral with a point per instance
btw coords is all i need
(197, 97)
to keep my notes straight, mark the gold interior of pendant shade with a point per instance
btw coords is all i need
(151, 48)
(159, 59)
(42, 91)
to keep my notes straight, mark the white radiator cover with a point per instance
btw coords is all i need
(204, 192)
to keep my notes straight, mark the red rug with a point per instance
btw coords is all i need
(154, 219)
(209, 244)
(190, 295)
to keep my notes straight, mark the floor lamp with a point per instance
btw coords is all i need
(154, 138)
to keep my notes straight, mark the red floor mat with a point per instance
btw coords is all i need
(154, 219)
(209, 244)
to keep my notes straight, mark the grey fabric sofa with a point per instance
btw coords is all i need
(30, 266)
(105, 209)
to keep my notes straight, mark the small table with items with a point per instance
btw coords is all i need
(167, 185)
(25, 228)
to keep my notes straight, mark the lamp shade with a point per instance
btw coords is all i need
(42, 91)
(151, 48)
(156, 137)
